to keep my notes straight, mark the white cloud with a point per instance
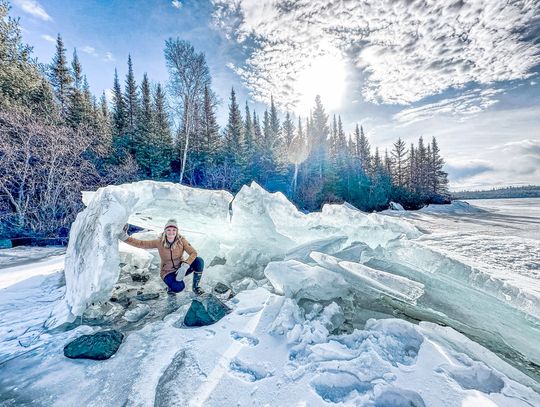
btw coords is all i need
(32, 7)
(405, 50)
(89, 50)
(109, 57)
(500, 147)
(176, 4)
(48, 38)
(465, 106)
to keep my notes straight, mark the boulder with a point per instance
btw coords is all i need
(205, 310)
(99, 346)
(221, 288)
(140, 277)
(137, 313)
(147, 296)
(223, 292)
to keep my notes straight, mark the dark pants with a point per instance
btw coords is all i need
(196, 268)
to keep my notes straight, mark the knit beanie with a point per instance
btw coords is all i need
(171, 223)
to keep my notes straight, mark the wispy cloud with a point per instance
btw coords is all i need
(176, 4)
(109, 57)
(32, 7)
(405, 50)
(48, 38)
(459, 170)
(90, 50)
(521, 157)
(465, 106)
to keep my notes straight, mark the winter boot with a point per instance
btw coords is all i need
(196, 280)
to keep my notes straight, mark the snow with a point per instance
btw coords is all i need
(14, 263)
(333, 307)
(275, 354)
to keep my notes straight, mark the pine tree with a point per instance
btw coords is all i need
(288, 129)
(76, 106)
(297, 153)
(399, 155)
(319, 136)
(145, 131)
(275, 126)
(60, 76)
(377, 164)
(211, 129)
(234, 142)
(104, 122)
(22, 83)
(162, 134)
(439, 184)
(249, 144)
(388, 164)
(341, 142)
(332, 145)
(364, 152)
(131, 98)
(421, 164)
(412, 169)
(258, 147)
(119, 110)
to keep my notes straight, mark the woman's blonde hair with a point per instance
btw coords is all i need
(177, 239)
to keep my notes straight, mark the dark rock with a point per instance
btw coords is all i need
(140, 277)
(147, 296)
(205, 310)
(217, 261)
(99, 346)
(221, 288)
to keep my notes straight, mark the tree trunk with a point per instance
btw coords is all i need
(186, 145)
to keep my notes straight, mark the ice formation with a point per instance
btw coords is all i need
(314, 316)
(319, 256)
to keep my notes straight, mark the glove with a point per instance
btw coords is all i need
(123, 236)
(181, 273)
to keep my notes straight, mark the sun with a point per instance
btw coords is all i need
(325, 75)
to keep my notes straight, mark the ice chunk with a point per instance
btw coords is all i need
(328, 245)
(398, 287)
(396, 206)
(92, 258)
(455, 208)
(134, 256)
(298, 280)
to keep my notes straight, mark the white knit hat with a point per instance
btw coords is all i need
(171, 223)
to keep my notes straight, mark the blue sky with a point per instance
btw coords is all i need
(466, 72)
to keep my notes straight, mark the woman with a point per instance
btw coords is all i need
(171, 246)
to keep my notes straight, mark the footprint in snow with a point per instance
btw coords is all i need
(249, 372)
(244, 338)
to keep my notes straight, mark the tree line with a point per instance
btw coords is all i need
(58, 139)
(525, 191)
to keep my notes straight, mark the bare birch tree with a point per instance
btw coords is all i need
(188, 76)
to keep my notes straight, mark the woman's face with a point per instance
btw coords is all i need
(170, 232)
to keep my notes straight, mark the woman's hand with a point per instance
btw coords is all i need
(123, 235)
(181, 273)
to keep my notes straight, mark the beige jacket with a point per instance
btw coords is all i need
(171, 258)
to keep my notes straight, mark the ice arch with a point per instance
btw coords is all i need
(253, 226)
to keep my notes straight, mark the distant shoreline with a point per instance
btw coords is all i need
(529, 191)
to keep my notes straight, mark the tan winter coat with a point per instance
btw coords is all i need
(171, 258)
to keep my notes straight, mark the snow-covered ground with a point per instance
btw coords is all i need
(23, 262)
(315, 321)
